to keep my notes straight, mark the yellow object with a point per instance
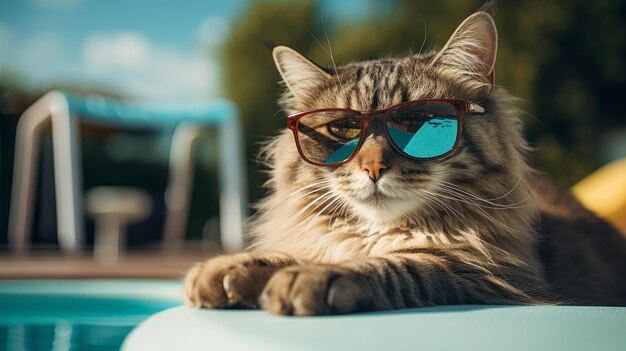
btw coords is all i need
(604, 192)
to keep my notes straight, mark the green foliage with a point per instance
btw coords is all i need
(250, 77)
(565, 59)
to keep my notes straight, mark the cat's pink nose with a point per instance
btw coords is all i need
(374, 169)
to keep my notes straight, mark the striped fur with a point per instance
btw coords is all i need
(473, 227)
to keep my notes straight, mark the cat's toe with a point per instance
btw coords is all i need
(226, 281)
(189, 289)
(312, 290)
(274, 296)
(210, 284)
(240, 287)
(208, 288)
(347, 294)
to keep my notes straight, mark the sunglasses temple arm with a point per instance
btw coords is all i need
(474, 108)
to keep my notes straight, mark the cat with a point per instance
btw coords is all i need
(383, 231)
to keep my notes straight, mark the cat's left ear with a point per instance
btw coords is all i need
(471, 50)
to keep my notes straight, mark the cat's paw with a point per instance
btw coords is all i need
(310, 289)
(227, 281)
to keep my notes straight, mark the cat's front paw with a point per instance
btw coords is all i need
(227, 281)
(310, 289)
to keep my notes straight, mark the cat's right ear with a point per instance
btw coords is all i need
(300, 74)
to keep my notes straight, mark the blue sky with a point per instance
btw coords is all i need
(142, 48)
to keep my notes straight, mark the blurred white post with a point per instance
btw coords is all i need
(27, 137)
(233, 201)
(178, 192)
(232, 197)
(52, 107)
(67, 178)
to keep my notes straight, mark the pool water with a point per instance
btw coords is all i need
(63, 336)
(78, 314)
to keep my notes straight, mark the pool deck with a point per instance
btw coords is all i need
(145, 264)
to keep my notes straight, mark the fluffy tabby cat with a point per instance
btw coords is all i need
(475, 227)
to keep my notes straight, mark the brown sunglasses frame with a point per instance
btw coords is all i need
(460, 106)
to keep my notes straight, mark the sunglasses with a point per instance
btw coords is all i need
(419, 130)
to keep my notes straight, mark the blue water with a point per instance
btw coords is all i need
(63, 336)
(77, 315)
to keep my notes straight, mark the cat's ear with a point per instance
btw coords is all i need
(471, 50)
(300, 74)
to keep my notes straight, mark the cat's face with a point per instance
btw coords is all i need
(379, 184)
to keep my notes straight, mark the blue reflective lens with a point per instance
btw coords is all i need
(425, 129)
(343, 153)
(434, 138)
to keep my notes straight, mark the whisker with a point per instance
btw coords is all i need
(317, 213)
(302, 211)
(434, 211)
(468, 198)
(327, 187)
(425, 34)
(337, 212)
(492, 218)
(469, 201)
(447, 208)
(312, 220)
(490, 201)
(321, 185)
(330, 50)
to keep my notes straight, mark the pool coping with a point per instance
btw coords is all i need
(153, 289)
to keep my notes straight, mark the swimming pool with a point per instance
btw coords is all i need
(68, 315)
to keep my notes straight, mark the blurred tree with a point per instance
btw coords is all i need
(574, 53)
(565, 59)
(250, 77)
